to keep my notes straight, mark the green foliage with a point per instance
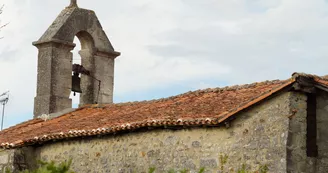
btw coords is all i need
(242, 169)
(263, 169)
(184, 171)
(7, 170)
(64, 167)
(151, 170)
(223, 160)
(50, 167)
(171, 171)
(202, 170)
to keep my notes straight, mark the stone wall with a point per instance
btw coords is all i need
(17, 159)
(257, 136)
(322, 132)
(6, 160)
(297, 160)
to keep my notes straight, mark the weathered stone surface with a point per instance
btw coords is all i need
(196, 144)
(296, 144)
(321, 163)
(298, 161)
(208, 163)
(55, 62)
(264, 143)
(4, 159)
(16, 160)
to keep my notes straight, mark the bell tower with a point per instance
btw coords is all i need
(54, 79)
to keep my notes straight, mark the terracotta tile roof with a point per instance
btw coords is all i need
(319, 80)
(322, 81)
(207, 107)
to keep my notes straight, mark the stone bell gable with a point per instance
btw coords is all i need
(55, 61)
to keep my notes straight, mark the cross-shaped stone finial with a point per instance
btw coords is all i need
(73, 3)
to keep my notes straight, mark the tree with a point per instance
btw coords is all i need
(2, 26)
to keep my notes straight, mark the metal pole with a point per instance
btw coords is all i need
(3, 114)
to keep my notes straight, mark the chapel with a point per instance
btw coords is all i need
(279, 124)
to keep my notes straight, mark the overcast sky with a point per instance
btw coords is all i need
(173, 46)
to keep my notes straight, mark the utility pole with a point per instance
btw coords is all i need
(3, 101)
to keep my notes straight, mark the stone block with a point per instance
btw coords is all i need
(209, 163)
(4, 159)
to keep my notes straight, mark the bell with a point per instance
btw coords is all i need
(76, 83)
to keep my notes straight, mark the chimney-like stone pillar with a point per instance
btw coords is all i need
(87, 82)
(104, 71)
(54, 77)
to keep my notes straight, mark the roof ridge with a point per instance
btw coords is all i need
(297, 74)
(199, 91)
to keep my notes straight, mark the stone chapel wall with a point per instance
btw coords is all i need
(17, 159)
(322, 132)
(6, 160)
(297, 160)
(257, 136)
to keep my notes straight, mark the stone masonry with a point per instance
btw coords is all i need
(257, 137)
(298, 161)
(55, 62)
(17, 160)
(321, 163)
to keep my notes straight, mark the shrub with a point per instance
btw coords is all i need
(50, 167)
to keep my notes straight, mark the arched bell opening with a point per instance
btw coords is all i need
(75, 96)
(83, 84)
